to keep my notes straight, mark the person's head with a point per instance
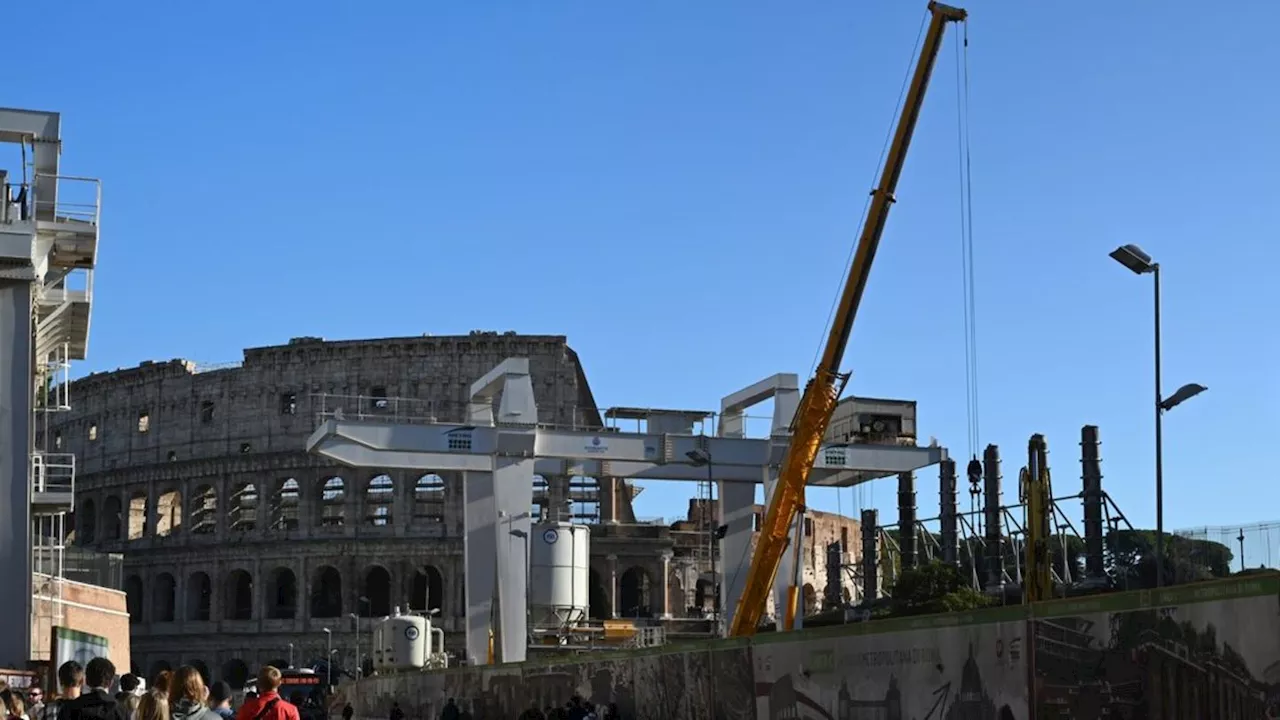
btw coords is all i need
(99, 673)
(186, 684)
(70, 678)
(219, 694)
(268, 679)
(153, 707)
(35, 695)
(13, 703)
(128, 683)
(161, 683)
(452, 702)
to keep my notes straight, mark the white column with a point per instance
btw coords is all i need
(666, 585)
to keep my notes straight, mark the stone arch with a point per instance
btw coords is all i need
(634, 593)
(285, 501)
(169, 512)
(428, 499)
(333, 499)
(428, 590)
(133, 594)
(139, 508)
(204, 510)
(377, 587)
(199, 598)
(203, 669)
(379, 498)
(242, 508)
(237, 596)
(597, 597)
(164, 591)
(112, 518)
(236, 673)
(282, 594)
(326, 592)
(86, 520)
(810, 599)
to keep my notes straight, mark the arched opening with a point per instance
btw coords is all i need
(377, 587)
(133, 598)
(138, 510)
(242, 508)
(584, 500)
(282, 594)
(235, 673)
(112, 518)
(159, 666)
(284, 505)
(597, 597)
(87, 522)
(633, 593)
(333, 498)
(704, 596)
(237, 598)
(810, 599)
(168, 513)
(199, 596)
(326, 593)
(379, 496)
(428, 499)
(163, 598)
(428, 590)
(202, 669)
(204, 510)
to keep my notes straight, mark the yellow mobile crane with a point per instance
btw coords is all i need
(823, 391)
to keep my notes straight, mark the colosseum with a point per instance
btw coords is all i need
(241, 548)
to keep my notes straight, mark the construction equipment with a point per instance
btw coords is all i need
(1036, 492)
(823, 391)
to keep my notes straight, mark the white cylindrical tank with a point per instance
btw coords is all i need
(559, 570)
(400, 642)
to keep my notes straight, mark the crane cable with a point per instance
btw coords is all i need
(966, 244)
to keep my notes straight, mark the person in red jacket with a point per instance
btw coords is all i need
(268, 705)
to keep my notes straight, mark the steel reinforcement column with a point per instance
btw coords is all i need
(991, 511)
(907, 519)
(948, 516)
(1091, 475)
(870, 556)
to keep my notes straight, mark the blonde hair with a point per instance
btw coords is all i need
(268, 679)
(13, 702)
(152, 707)
(131, 702)
(161, 683)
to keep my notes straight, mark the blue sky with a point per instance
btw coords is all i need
(675, 186)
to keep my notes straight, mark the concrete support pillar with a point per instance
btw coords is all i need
(495, 550)
(737, 512)
(15, 449)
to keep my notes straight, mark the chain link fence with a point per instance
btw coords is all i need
(1229, 547)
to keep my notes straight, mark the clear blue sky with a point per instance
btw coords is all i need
(675, 187)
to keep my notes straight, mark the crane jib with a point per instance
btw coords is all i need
(823, 392)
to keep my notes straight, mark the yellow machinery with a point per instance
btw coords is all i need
(1037, 493)
(823, 391)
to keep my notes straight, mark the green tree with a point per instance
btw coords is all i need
(934, 587)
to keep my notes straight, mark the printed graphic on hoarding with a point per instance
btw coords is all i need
(963, 672)
(82, 647)
(1216, 659)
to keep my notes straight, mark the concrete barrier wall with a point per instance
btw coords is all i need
(1206, 651)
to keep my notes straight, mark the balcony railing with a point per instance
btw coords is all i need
(53, 472)
(79, 200)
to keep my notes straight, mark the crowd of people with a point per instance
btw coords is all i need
(84, 693)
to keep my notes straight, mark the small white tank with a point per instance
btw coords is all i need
(400, 643)
(559, 571)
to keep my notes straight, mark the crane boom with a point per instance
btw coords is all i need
(823, 391)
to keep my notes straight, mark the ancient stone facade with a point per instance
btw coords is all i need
(241, 548)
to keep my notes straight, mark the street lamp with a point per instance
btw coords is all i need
(328, 664)
(1132, 257)
(290, 654)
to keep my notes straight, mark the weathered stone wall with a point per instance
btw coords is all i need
(1204, 651)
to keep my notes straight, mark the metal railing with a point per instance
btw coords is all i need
(53, 472)
(79, 199)
(1228, 548)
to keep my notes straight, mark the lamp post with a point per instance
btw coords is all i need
(290, 654)
(328, 658)
(1132, 257)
